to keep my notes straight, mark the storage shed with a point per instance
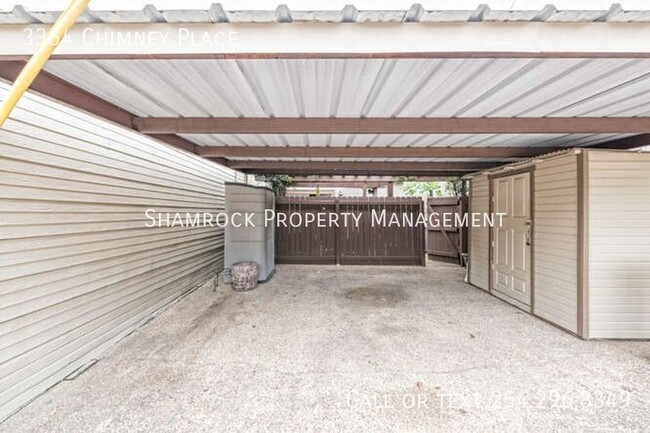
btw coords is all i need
(574, 246)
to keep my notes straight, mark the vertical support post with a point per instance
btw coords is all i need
(583, 244)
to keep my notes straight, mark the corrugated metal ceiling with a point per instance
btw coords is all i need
(372, 88)
(216, 14)
(367, 87)
(479, 87)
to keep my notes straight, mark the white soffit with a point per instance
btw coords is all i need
(216, 31)
(180, 40)
(521, 87)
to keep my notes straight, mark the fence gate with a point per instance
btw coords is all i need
(351, 244)
(446, 243)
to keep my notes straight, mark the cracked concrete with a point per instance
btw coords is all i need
(325, 348)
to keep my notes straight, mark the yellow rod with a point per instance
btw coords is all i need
(64, 22)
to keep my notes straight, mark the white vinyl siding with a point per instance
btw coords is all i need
(619, 244)
(479, 236)
(555, 242)
(240, 177)
(78, 267)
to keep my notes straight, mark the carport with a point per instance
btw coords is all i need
(423, 93)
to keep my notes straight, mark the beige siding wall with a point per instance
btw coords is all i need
(78, 267)
(240, 177)
(555, 245)
(479, 236)
(619, 245)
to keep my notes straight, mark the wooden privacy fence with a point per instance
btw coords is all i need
(349, 244)
(447, 243)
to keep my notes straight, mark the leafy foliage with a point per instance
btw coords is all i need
(278, 182)
(419, 189)
(457, 187)
(411, 187)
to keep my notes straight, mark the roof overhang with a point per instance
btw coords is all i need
(413, 92)
(333, 40)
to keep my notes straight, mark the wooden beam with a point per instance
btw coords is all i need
(372, 152)
(56, 88)
(61, 90)
(392, 125)
(356, 178)
(342, 184)
(428, 174)
(379, 166)
(364, 167)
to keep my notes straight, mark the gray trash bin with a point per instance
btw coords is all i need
(244, 276)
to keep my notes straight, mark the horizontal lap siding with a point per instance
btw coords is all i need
(619, 244)
(78, 267)
(479, 236)
(556, 241)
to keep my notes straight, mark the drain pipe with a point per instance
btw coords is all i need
(63, 23)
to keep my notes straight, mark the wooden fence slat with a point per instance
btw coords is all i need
(447, 242)
(363, 245)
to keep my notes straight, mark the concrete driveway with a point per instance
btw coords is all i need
(325, 348)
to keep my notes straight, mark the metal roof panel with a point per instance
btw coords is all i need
(20, 15)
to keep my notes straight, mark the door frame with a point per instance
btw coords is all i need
(491, 178)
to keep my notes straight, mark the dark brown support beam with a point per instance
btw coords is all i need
(361, 167)
(301, 183)
(67, 93)
(392, 125)
(378, 166)
(428, 174)
(383, 179)
(61, 90)
(372, 152)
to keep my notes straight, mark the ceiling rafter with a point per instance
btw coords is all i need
(354, 166)
(392, 125)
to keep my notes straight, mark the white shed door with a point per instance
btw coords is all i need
(511, 240)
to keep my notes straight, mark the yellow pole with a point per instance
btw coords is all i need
(66, 20)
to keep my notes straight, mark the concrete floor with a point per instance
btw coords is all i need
(323, 348)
